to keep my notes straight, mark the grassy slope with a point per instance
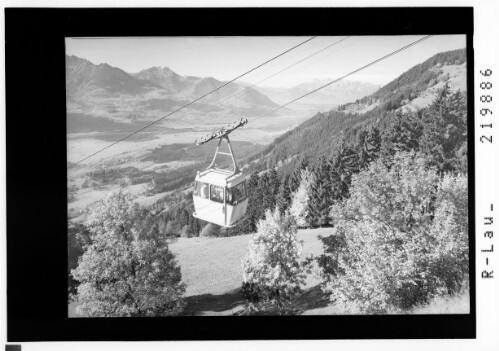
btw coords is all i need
(212, 271)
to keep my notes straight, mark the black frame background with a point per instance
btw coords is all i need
(36, 168)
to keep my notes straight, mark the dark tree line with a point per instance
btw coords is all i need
(438, 131)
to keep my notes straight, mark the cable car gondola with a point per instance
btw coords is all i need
(220, 195)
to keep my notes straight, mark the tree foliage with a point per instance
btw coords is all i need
(186, 232)
(395, 237)
(445, 130)
(402, 134)
(300, 199)
(319, 135)
(320, 198)
(78, 241)
(283, 200)
(368, 146)
(210, 230)
(128, 269)
(273, 275)
(254, 210)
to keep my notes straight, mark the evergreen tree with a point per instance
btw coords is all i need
(264, 194)
(402, 134)
(254, 203)
(284, 196)
(320, 199)
(273, 190)
(169, 230)
(444, 134)
(195, 226)
(343, 164)
(368, 146)
(185, 216)
(295, 179)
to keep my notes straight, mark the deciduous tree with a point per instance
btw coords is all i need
(300, 199)
(128, 269)
(400, 238)
(273, 275)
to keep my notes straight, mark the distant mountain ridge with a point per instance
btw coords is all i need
(416, 88)
(191, 87)
(339, 93)
(165, 78)
(82, 75)
(104, 91)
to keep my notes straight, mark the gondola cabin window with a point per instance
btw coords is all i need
(216, 193)
(236, 194)
(201, 190)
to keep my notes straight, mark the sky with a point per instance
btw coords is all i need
(227, 57)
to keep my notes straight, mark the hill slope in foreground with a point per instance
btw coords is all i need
(212, 271)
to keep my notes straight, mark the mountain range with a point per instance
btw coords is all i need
(104, 91)
(339, 93)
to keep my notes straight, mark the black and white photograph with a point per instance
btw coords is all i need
(250, 177)
(267, 175)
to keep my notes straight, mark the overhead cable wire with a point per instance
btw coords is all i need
(191, 102)
(344, 76)
(327, 84)
(219, 103)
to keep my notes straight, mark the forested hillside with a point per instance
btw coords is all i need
(319, 135)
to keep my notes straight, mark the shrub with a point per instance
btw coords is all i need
(128, 269)
(186, 232)
(78, 240)
(400, 239)
(210, 230)
(449, 304)
(450, 230)
(272, 271)
(169, 231)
